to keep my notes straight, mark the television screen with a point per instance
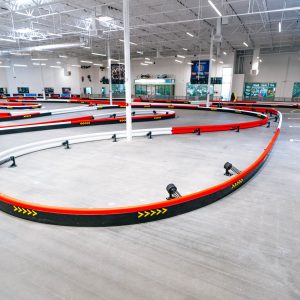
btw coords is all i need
(66, 90)
(49, 90)
(23, 90)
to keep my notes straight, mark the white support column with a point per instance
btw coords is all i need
(109, 72)
(43, 84)
(210, 67)
(127, 69)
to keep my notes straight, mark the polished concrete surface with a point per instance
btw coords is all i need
(245, 246)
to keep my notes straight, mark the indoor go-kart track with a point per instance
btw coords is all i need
(244, 246)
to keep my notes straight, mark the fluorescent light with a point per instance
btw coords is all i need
(260, 60)
(77, 66)
(7, 40)
(43, 64)
(54, 34)
(147, 58)
(24, 30)
(86, 47)
(4, 66)
(100, 54)
(213, 59)
(132, 43)
(184, 49)
(224, 52)
(279, 26)
(181, 56)
(148, 62)
(190, 34)
(58, 62)
(179, 61)
(140, 52)
(63, 56)
(105, 19)
(53, 46)
(39, 59)
(57, 67)
(86, 61)
(19, 53)
(112, 59)
(190, 63)
(143, 64)
(19, 65)
(245, 44)
(100, 65)
(257, 57)
(214, 7)
(221, 62)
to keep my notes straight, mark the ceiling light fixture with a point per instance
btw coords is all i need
(7, 40)
(112, 59)
(147, 58)
(19, 65)
(179, 61)
(54, 34)
(100, 65)
(224, 52)
(4, 66)
(39, 59)
(148, 62)
(99, 54)
(221, 62)
(215, 8)
(140, 52)
(260, 60)
(190, 63)
(245, 44)
(132, 43)
(63, 56)
(184, 49)
(86, 61)
(190, 34)
(143, 64)
(279, 26)
(181, 56)
(57, 67)
(213, 60)
(77, 66)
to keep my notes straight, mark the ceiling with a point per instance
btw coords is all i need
(157, 27)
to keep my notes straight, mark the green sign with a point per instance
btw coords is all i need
(259, 90)
(296, 90)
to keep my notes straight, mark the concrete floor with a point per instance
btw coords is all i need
(245, 246)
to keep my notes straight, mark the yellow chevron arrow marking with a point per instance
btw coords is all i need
(24, 211)
(164, 210)
(140, 214)
(147, 213)
(153, 212)
(158, 211)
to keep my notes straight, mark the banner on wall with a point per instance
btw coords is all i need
(259, 90)
(296, 90)
(117, 74)
(200, 71)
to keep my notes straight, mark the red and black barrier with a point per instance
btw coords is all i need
(149, 212)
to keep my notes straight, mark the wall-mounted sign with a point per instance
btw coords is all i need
(155, 81)
(259, 90)
(296, 90)
(3, 91)
(49, 90)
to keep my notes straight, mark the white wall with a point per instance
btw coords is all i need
(180, 72)
(284, 69)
